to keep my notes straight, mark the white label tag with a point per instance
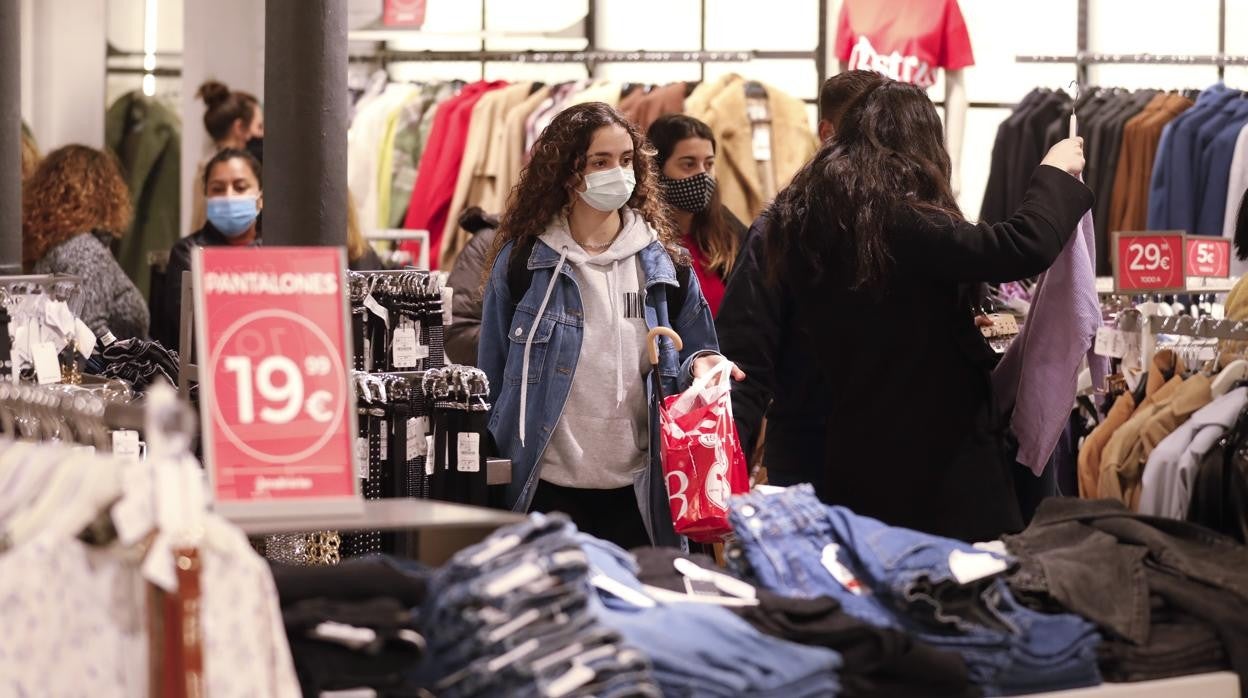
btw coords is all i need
(404, 348)
(361, 457)
(126, 444)
(132, 515)
(1110, 342)
(429, 452)
(85, 339)
(969, 567)
(469, 453)
(838, 571)
(384, 426)
(158, 565)
(416, 428)
(448, 295)
(377, 309)
(47, 366)
(762, 143)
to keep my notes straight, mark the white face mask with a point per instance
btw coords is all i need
(610, 189)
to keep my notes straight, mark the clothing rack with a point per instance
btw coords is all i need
(588, 56)
(1180, 325)
(1085, 58)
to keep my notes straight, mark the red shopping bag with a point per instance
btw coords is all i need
(703, 463)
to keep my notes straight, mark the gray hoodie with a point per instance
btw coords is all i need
(602, 438)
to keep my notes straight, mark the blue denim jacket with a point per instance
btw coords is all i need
(553, 357)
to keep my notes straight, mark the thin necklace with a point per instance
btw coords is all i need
(604, 246)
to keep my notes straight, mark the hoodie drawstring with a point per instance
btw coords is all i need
(528, 343)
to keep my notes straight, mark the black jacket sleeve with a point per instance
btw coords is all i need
(466, 280)
(750, 328)
(169, 303)
(1023, 246)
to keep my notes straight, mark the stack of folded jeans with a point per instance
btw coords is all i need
(876, 661)
(511, 616)
(701, 649)
(353, 626)
(1170, 596)
(947, 593)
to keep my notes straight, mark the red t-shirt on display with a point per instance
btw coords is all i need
(906, 40)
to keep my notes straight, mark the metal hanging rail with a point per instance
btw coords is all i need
(1089, 58)
(391, 55)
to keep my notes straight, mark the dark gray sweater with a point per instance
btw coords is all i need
(109, 299)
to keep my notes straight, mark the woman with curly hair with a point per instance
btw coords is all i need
(73, 207)
(586, 262)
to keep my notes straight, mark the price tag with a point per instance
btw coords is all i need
(1151, 262)
(448, 297)
(126, 444)
(361, 457)
(1003, 325)
(85, 339)
(47, 366)
(762, 143)
(416, 429)
(1110, 342)
(469, 452)
(839, 571)
(1208, 257)
(429, 450)
(384, 426)
(377, 309)
(277, 410)
(404, 348)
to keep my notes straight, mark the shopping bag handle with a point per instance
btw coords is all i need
(722, 371)
(652, 342)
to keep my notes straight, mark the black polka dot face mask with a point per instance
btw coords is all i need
(690, 194)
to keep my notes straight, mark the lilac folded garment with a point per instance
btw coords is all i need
(1038, 376)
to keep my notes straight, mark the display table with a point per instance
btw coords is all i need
(1222, 684)
(442, 528)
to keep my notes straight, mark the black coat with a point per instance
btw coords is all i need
(168, 304)
(884, 403)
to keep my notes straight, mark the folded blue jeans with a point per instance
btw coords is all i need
(706, 650)
(902, 579)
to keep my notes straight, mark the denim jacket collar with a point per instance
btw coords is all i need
(656, 263)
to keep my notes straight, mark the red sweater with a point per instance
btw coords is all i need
(439, 167)
(712, 285)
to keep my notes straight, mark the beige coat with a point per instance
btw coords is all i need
(477, 184)
(722, 105)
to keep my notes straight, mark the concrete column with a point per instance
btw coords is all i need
(10, 137)
(305, 140)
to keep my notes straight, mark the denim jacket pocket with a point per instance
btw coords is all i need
(521, 325)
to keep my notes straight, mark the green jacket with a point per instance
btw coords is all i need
(146, 137)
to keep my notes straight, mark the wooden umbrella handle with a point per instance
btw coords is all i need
(652, 342)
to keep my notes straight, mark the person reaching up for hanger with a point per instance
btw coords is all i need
(234, 198)
(868, 263)
(585, 263)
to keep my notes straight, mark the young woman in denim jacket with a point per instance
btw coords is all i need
(566, 358)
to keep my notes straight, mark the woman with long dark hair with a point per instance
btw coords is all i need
(878, 264)
(686, 162)
(586, 262)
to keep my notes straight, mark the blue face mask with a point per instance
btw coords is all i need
(232, 215)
